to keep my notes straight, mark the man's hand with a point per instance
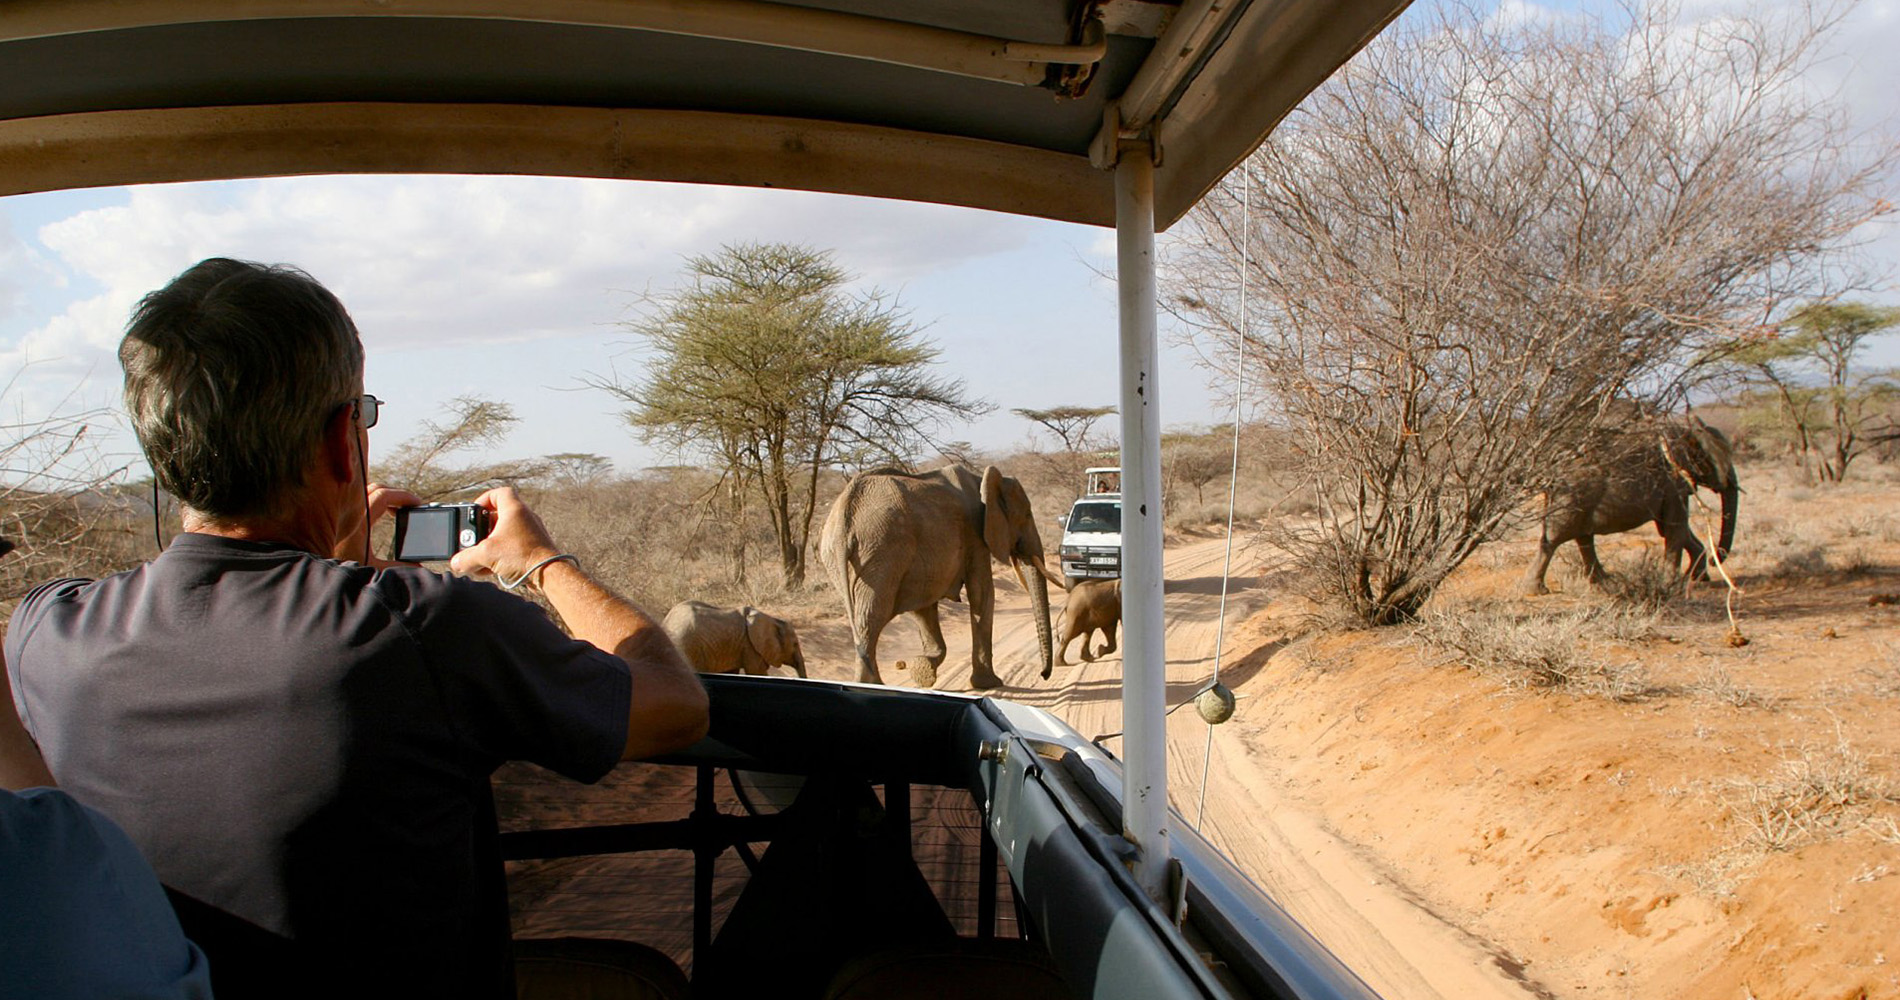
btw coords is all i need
(668, 708)
(380, 501)
(516, 539)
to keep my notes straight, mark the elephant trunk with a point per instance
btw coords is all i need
(1731, 504)
(1039, 604)
(798, 663)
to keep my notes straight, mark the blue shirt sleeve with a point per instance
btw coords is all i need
(81, 913)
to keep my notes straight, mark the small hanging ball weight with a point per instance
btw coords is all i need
(1216, 704)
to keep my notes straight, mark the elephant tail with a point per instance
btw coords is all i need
(838, 546)
(850, 568)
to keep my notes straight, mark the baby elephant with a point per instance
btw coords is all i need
(1093, 604)
(718, 641)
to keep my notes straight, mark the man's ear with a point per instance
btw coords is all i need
(338, 454)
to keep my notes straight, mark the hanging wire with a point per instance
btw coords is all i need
(1233, 472)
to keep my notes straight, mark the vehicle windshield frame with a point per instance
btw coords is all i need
(1086, 517)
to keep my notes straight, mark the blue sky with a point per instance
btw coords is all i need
(512, 288)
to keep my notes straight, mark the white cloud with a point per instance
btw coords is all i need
(1511, 13)
(440, 272)
(452, 260)
(20, 266)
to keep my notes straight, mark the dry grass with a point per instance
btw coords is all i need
(1884, 681)
(662, 538)
(1820, 792)
(1719, 875)
(1648, 585)
(1717, 684)
(1564, 651)
(1794, 532)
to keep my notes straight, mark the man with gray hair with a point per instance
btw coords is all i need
(296, 733)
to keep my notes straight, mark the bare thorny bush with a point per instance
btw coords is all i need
(56, 505)
(473, 423)
(1467, 246)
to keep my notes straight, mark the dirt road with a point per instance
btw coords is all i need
(1370, 920)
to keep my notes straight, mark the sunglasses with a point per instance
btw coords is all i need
(368, 408)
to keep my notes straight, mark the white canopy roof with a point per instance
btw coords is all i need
(993, 104)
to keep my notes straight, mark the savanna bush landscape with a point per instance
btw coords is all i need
(1485, 256)
(1654, 787)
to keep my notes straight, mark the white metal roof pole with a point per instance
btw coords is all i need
(1144, 657)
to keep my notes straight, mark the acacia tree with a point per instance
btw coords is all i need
(767, 366)
(1467, 245)
(1070, 424)
(570, 469)
(1832, 405)
(1072, 428)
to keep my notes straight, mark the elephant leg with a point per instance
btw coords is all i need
(867, 660)
(1679, 538)
(930, 630)
(1534, 580)
(869, 616)
(1087, 635)
(1698, 557)
(982, 591)
(1592, 566)
(1109, 631)
(1071, 627)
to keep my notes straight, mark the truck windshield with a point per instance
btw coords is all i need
(1096, 517)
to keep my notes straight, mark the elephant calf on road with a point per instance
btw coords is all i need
(1093, 605)
(1640, 479)
(720, 641)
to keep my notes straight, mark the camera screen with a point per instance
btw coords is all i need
(425, 535)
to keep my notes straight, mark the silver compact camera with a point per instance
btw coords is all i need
(434, 532)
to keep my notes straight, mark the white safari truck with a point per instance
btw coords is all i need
(1092, 530)
(1115, 113)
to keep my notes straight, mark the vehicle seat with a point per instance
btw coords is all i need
(999, 969)
(595, 969)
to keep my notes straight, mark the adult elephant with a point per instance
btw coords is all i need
(897, 543)
(721, 641)
(1637, 480)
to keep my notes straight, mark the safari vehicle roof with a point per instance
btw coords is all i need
(1010, 105)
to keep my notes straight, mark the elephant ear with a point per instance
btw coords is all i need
(999, 527)
(761, 630)
(1721, 455)
(1701, 451)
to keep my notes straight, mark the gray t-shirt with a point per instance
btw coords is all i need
(306, 743)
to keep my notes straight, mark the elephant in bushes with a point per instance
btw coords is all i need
(1093, 605)
(1639, 479)
(721, 641)
(897, 543)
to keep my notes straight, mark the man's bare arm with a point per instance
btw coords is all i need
(20, 763)
(668, 710)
